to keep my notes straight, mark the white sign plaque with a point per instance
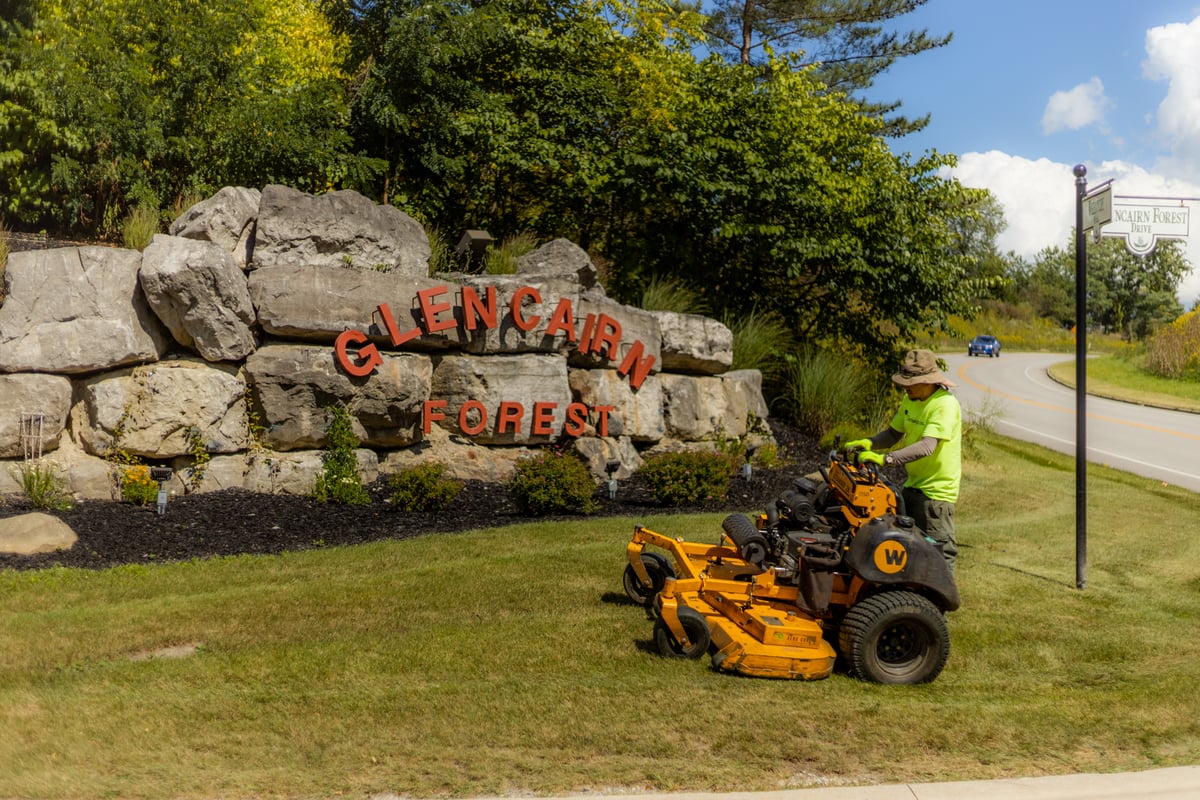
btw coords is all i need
(1143, 222)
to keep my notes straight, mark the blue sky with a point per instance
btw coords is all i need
(1028, 89)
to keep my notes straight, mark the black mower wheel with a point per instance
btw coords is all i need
(694, 625)
(895, 637)
(658, 568)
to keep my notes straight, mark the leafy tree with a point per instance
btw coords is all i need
(153, 99)
(1127, 294)
(850, 42)
(596, 122)
(777, 196)
(975, 231)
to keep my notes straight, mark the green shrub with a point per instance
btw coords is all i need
(821, 391)
(139, 227)
(683, 478)
(137, 486)
(423, 488)
(553, 482)
(339, 481)
(671, 294)
(44, 486)
(760, 341)
(502, 260)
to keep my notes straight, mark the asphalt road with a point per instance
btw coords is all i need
(1024, 403)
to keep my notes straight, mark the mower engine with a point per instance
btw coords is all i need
(792, 536)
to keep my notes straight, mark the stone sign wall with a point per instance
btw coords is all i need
(258, 311)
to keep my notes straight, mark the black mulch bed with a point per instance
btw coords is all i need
(232, 522)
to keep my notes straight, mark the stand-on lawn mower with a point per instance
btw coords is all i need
(831, 561)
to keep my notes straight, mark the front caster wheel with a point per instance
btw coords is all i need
(658, 568)
(694, 625)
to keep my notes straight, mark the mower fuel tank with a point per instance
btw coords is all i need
(884, 552)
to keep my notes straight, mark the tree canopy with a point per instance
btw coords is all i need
(759, 185)
(848, 42)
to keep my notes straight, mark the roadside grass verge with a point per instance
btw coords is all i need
(508, 661)
(1121, 379)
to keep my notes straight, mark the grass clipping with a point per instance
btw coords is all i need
(509, 662)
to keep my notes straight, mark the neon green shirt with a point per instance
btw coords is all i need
(938, 474)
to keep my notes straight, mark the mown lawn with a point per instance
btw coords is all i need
(509, 661)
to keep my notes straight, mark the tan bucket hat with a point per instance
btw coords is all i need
(920, 366)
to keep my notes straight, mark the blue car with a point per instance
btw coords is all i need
(984, 346)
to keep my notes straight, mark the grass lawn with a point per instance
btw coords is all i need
(1120, 379)
(509, 661)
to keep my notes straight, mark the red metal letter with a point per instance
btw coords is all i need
(637, 370)
(368, 353)
(433, 413)
(472, 430)
(430, 310)
(514, 306)
(510, 413)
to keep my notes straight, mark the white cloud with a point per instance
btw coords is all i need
(1038, 198)
(1076, 108)
(1173, 55)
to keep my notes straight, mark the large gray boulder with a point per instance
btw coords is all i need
(518, 399)
(293, 386)
(341, 228)
(617, 336)
(32, 405)
(546, 308)
(225, 219)
(694, 344)
(200, 294)
(712, 408)
(637, 415)
(157, 411)
(320, 303)
(560, 257)
(75, 310)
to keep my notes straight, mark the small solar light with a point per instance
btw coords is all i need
(747, 469)
(162, 475)
(611, 468)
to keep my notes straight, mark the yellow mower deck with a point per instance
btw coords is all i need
(754, 623)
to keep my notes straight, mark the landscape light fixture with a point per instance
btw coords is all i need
(161, 475)
(747, 469)
(611, 468)
(472, 248)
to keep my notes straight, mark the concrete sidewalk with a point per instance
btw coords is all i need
(1173, 783)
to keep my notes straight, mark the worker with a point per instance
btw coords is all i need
(928, 431)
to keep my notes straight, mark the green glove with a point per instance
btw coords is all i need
(859, 444)
(868, 457)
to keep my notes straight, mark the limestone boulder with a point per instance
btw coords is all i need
(464, 459)
(320, 303)
(600, 452)
(560, 257)
(692, 343)
(163, 410)
(38, 532)
(542, 319)
(343, 229)
(225, 219)
(200, 295)
(74, 310)
(634, 414)
(33, 413)
(293, 384)
(296, 473)
(712, 408)
(613, 335)
(517, 399)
